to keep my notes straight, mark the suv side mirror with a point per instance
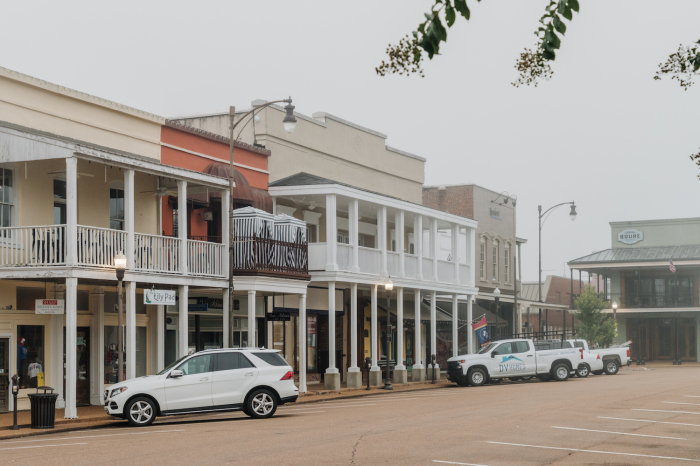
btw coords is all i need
(494, 353)
(175, 374)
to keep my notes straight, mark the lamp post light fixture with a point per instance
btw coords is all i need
(120, 265)
(289, 122)
(572, 216)
(388, 287)
(614, 308)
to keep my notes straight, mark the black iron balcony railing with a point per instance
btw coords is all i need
(672, 299)
(253, 255)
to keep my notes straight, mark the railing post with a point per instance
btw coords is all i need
(129, 217)
(71, 211)
(182, 224)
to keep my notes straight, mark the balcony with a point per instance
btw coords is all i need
(45, 246)
(253, 255)
(682, 298)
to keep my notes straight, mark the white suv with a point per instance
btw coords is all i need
(254, 380)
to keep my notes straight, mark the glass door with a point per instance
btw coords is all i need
(4, 374)
(82, 365)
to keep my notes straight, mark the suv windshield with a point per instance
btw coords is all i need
(173, 364)
(486, 348)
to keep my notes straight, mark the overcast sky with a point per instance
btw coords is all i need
(602, 132)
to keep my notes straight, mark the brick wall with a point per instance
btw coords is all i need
(457, 200)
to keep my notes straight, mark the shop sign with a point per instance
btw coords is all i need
(630, 236)
(279, 317)
(159, 297)
(198, 307)
(49, 306)
(495, 213)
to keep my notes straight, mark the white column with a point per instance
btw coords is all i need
(418, 361)
(470, 318)
(56, 354)
(160, 338)
(331, 329)
(353, 226)
(373, 327)
(455, 325)
(129, 221)
(130, 330)
(399, 329)
(434, 248)
(433, 326)
(331, 233)
(99, 339)
(382, 240)
(182, 322)
(472, 257)
(418, 245)
(227, 319)
(455, 250)
(302, 343)
(399, 222)
(252, 343)
(71, 411)
(519, 310)
(182, 228)
(353, 329)
(225, 234)
(71, 214)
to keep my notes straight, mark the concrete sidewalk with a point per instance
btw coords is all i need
(90, 417)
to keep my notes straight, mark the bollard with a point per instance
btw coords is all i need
(432, 357)
(368, 366)
(15, 391)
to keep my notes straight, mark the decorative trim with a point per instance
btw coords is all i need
(214, 137)
(214, 158)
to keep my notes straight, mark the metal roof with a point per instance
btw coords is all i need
(647, 254)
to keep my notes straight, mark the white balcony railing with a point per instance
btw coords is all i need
(369, 260)
(157, 253)
(411, 265)
(343, 256)
(33, 246)
(463, 274)
(392, 263)
(446, 271)
(205, 258)
(427, 268)
(317, 256)
(98, 246)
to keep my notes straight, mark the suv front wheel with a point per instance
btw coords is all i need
(141, 412)
(261, 404)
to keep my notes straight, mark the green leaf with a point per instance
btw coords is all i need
(429, 16)
(558, 25)
(421, 28)
(696, 64)
(548, 55)
(438, 29)
(567, 13)
(551, 37)
(461, 6)
(561, 7)
(450, 15)
(573, 4)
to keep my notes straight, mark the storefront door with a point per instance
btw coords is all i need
(4, 374)
(82, 384)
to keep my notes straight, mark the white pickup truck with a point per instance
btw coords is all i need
(613, 358)
(512, 359)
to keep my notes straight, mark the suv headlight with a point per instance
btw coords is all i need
(117, 391)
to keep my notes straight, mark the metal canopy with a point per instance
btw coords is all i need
(647, 254)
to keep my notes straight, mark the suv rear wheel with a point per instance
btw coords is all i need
(611, 367)
(560, 373)
(261, 404)
(141, 412)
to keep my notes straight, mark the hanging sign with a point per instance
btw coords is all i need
(160, 297)
(49, 306)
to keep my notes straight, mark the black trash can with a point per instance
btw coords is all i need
(43, 408)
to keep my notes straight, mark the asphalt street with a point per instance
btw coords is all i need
(637, 417)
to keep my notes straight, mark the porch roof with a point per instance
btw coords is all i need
(645, 254)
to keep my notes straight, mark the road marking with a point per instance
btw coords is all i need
(665, 411)
(680, 403)
(595, 451)
(454, 462)
(94, 436)
(692, 396)
(329, 407)
(308, 412)
(44, 446)
(647, 420)
(618, 433)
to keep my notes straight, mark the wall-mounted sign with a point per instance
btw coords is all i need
(630, 236)
(495, 213)
(49, 306)
(159, 297)
(279, 317)
(198, 307)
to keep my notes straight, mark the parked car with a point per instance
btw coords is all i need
(590, 362)
(253, 380)
(513, 359)
(613, 358)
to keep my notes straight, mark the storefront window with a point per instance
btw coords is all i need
(311, 343)
(111, 354)
(30, 355)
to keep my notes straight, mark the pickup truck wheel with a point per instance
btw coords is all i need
(583, 371)
(560, 373)
(597, 372)
(611, 367)
(477, 377)
(544, 378)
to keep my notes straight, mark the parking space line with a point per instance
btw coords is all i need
(680, 403)
(94, 436)
(692, 396)
(44, 446)
(326, 403)
(329, 407)
(648, 420)
(308, 412)
(665, 411)
(618, 433)
(595, 451)
(454, 462)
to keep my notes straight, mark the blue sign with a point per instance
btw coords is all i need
(198, 307)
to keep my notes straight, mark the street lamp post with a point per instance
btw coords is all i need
(497, 295)
(388, 286)
(289, 122)
(120, 265)
(614, 308)
(572, 215)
